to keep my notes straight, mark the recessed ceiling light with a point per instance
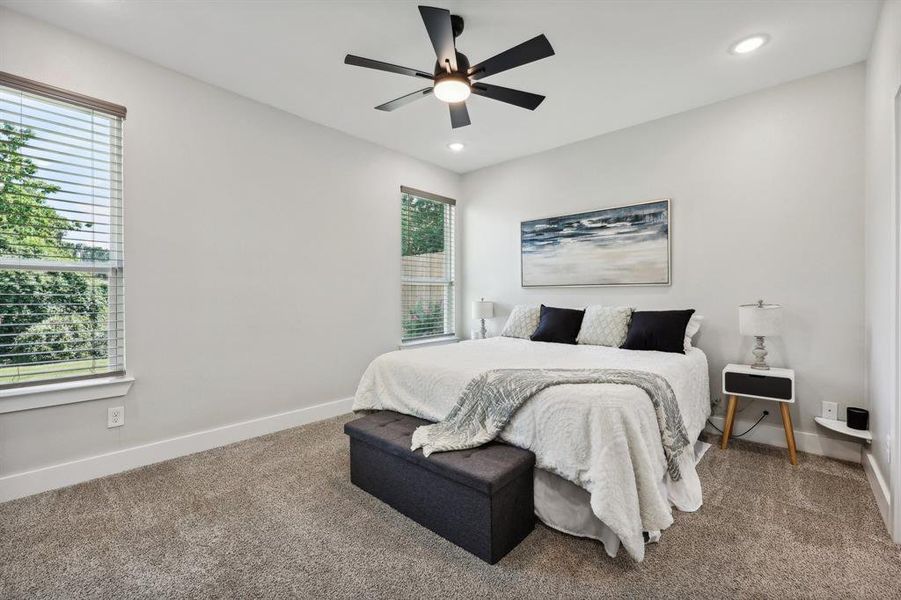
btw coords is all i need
(750, 44)
(456, 146)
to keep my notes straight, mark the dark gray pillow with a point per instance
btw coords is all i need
(560, 325)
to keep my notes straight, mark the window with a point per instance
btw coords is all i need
(61, 259)
(427, 265)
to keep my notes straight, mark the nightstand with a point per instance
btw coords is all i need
(773, 384)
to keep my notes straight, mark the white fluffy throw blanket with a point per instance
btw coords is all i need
(491, 399)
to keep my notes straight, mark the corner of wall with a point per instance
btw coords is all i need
(879, 486)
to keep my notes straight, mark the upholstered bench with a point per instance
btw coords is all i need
(480, 499)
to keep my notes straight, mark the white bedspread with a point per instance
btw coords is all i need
(602, 437)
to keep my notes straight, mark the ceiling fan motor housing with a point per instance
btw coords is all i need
(462, 65)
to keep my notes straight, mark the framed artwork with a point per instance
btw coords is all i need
(623, 245)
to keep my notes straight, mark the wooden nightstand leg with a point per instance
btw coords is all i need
(730, 419)
(789, 432)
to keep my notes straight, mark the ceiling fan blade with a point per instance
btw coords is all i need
(359, 61)
(404, 100)
(459, 114)
(438, 24)
(535, 49)
(510, 96)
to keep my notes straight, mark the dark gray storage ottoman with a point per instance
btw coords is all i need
(480, 499)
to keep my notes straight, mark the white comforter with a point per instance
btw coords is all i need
(602, 437)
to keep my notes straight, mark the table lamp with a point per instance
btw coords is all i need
(760, 320)
(481, 309)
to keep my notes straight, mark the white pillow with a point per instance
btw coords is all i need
(605, 326)
(522, 322)
(692, 329)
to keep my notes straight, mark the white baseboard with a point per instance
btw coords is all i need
(774, 435)
(879, 486)
(60, 475)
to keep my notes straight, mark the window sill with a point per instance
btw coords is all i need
(436, 341)
(68, 392)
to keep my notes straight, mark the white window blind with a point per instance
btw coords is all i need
(427, 265)
(61, 252)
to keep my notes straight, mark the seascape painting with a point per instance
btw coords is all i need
(626, 245)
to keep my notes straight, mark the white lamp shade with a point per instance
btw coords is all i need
(482, 309)
(757, 320)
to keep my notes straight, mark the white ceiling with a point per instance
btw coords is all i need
(617, 63)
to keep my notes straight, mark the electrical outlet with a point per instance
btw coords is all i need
(830, 410)
(115, 416)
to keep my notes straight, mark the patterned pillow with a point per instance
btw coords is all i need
(605, 326)
(522, 322)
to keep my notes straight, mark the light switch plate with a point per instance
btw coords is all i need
(830, 410)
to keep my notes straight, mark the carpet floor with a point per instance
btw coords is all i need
(276, 517)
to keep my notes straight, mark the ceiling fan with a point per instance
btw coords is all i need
(454, 79)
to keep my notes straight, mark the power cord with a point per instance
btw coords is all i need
(748, 430)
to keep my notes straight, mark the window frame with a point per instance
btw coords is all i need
(450, 267)
(109, 383)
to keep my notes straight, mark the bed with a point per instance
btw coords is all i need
(601, 470)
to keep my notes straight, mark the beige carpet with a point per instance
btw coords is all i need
(276, 517)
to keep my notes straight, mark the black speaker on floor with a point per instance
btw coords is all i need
(858, 418)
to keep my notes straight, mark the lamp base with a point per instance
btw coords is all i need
(760, 353)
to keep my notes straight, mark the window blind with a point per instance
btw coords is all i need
(427, 265)
(61, 247)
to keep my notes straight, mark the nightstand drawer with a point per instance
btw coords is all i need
(765, 386)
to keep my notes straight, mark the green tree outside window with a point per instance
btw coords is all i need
(45, 316)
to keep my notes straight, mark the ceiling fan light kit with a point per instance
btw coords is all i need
(452, 87)
(453, 77)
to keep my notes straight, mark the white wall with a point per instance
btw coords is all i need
(882, 86)
(767, 194)
(262, 253)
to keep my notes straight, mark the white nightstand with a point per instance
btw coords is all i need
(773, 384)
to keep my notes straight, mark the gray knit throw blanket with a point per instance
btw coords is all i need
(491, 399)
